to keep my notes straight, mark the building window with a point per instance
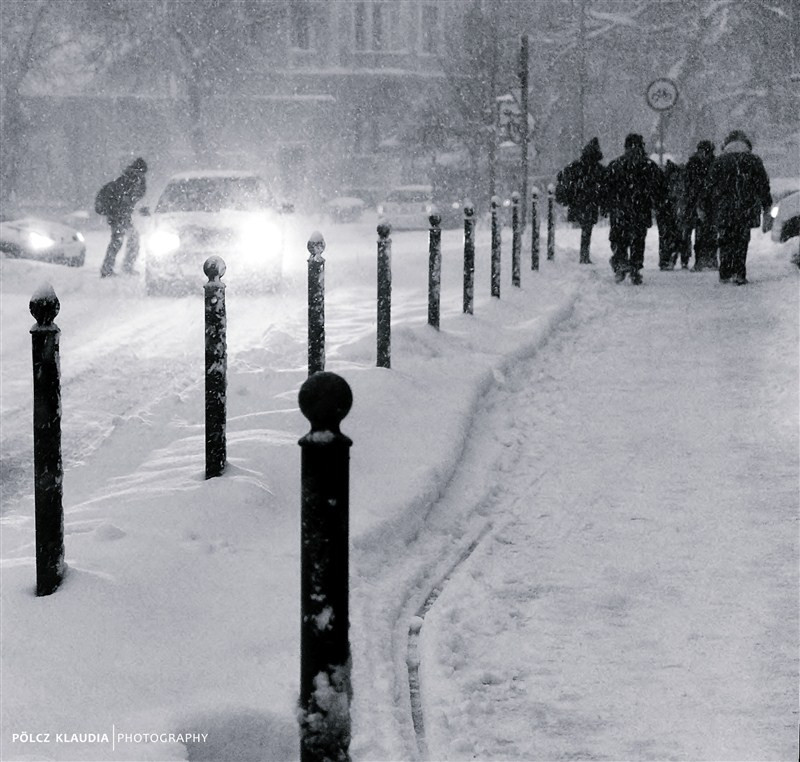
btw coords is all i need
(377, 26)
(429, 29)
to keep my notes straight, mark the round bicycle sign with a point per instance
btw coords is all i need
(662, 94)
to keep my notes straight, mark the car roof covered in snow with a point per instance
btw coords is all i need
(194, 174)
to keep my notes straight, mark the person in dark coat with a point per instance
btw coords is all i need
(116, 201)
(580, 187)
(635, 188)
(705, 236)
(674, 238)
(736, 193)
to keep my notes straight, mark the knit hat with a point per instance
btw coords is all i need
(139, 165)
(705, 146)
(634, 140)
(737, 136)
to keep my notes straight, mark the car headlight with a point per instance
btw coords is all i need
(163, 242)
(79, 236)
(773, 212)
(40, 241)
(455, 205)
(260, 237)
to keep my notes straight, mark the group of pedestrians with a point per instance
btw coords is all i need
(719, 199)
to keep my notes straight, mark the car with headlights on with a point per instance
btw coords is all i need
(229, 213)
(785, 217)
(42, 239)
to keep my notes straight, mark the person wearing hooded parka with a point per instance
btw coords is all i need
(580, 187)
(735, 195)
(116, 200)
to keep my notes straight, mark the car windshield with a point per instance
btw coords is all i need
(212, 194)
(409, 196)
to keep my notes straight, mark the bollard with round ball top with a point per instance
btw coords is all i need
(384, 295)
(216, 357)
(534, 228)
(325, 665)
(434, 269)
(316, 303)
(551, 222)
(495, 269)
(516, 240)
(47, 466)
(469, 257)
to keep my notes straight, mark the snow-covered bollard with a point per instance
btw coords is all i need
(534, 228)
(325, 685)
(47, 467)
(516, 240)
(384, 295)
(495, 248)
(469, 257)
(316, 303)
(551, 221)
(434, 269)
(216, 367)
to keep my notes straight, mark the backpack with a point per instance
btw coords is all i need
(104, 199)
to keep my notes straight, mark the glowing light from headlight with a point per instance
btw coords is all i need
(455, 205)
(79, 236)
(259, 238)
(163, 242)
(773, 212)
(39, 241)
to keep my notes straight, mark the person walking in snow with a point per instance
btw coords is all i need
(674, 239)
(115, 201)
(735, 195)
(705, 236)
(580, 187)
(634, 189)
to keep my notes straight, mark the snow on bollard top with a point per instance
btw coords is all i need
(316, 244)
(469, 209)
(435, 218)
(495, 200)
(44, 304)
(515, 196)
(551, 188)
(384, 228)
(535, 190)
(325, 399)
(214, 268)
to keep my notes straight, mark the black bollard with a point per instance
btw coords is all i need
(216, 367)
(469, 257)
(434, 269)
(325, 666)
(516, 240)
(551, 222)
(495, 248)
(535, 229)
(48, 471)
(384, 295)
(316, 303)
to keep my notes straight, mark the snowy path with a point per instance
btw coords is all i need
(636, 597)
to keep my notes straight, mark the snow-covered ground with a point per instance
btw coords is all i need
(573, 515)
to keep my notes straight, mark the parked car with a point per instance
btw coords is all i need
(408, 207)
(42, 239)
(784, 217)
(232, 214)
(345, 208)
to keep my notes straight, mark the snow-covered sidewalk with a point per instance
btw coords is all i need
(636, 595)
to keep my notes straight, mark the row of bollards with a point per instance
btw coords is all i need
(324, 399)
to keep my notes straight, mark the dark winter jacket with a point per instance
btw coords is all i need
(635, 189)
(580, 185)
(736, 190)
(696, 171)
(118, 197)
